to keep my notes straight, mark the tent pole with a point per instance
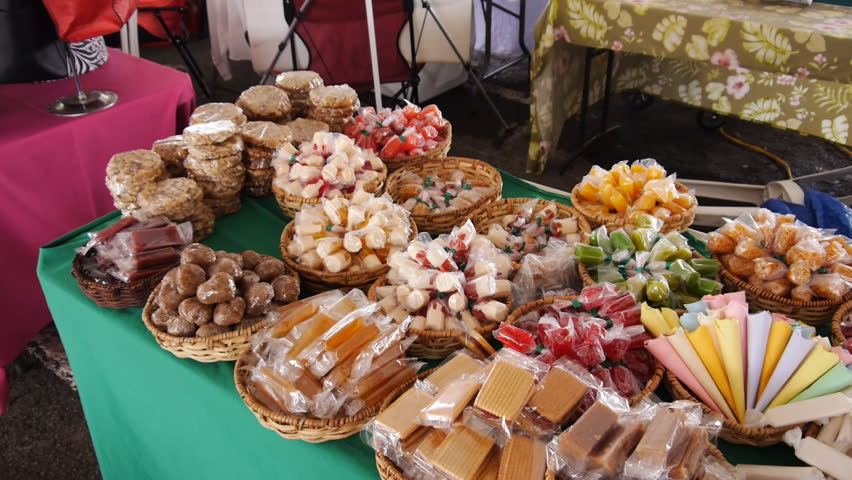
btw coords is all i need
(374, 57)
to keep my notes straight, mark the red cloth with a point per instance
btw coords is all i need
(81, 20)
(52, 178)
(339, 32)
(172, 18)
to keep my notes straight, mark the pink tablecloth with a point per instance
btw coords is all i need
(52, 173)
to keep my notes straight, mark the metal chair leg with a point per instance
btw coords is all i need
(183, 51)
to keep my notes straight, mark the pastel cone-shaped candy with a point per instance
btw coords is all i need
(834, 380)
(728, 333)
(687, 353)
(663, 351)
(779, 335)
(702, 342)
(817, 363)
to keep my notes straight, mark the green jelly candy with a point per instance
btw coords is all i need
(663, 251)
(608, 273)
(599, 238)
(643, 239)
(706, 286)
(686, 273)
(621, 241)
(589, 255)
(657, 289)
(706, 267)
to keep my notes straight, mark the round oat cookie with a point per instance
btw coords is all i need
(223, 186)
(298, 81)
(202, 223)
(212, 164)
(218, 169)
(304, 129)
(258, 157)
(228, 148)
(173, 197)
(223, 206)
(213, 112)
(333, 96)
(264, 101)
(259, 182)
(129, 172)
(266, 134)
(210, 133)
(170, 149)
(330, 112)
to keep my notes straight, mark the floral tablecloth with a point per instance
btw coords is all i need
(784, 65)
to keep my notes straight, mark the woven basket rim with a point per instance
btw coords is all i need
(166, 337)
(491, 326)
(836, 333)
(341, 278)
(448, 138)
(526, 308)
(736, 428)
(678, 221)
(440, 164)
(759, 292)
(302, 423)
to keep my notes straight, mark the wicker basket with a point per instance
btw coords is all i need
(117, 294)
(837, 337)
(440, 150)
(679, 222)
(438, 344)
(318, 281)
(217, 348)
(291, 204)
(732, 431)
(492, 212)
(653, 382)
(444, 221)
(813, 313)
(291, 427)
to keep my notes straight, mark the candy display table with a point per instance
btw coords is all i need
(143, 405)
(779, 64)
(53, 170)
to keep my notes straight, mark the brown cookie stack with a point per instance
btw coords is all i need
(265, 103)
(128, 173)
(303, 130)
(213, 112)
(180, 200)
(261, 140)
(173, 152)
(215, 162)
(333, 105)
(298, 85)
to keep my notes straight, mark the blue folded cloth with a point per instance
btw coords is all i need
(820, 210)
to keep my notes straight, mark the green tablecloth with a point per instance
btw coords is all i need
(152, 415)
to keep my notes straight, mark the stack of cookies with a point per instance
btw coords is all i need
(215, 162)
(173, 152)
(261, 140)
(298, 85)
(265, 103)
(303, 130)
(333, 105)
(128, 173)
(180, 200)
(213, 112)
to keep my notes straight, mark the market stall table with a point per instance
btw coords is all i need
(53, 170)
(779, 64)
(152, 415)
